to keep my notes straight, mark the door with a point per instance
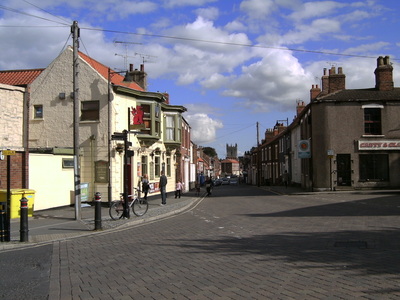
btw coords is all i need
(343, 165)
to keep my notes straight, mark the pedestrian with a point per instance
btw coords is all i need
(209, 185)
(178, 189)
(145, 185)
(197, 187)
(285, 178)
(163, 188)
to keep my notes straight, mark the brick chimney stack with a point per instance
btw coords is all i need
(314, 92)
(325, 83)
(384, 74)
(300, 106)
(337, 82)
(140, 77)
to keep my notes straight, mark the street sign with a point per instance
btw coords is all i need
(118, 136)
(8, 152)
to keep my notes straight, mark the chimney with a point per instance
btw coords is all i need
(384, 74)
(337, 82)
(300, 106)
(325, 83)
(269, 135)
(166, 96)
(140, 77)
(314, 92)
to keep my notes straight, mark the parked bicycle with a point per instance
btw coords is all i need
(139, 205)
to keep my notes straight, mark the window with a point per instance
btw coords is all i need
(372, 121)
(157, 165)
(90, 110)
(38, 111)
(374, 167)
(144, 165)
(170, 128)
(168, 166)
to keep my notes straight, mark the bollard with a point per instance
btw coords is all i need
(2, 222)
(97, 211)
(23, 237)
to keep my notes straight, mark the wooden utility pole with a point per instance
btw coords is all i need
(75, 69)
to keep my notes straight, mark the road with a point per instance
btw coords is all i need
(241, 243)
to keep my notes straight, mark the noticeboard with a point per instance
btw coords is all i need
(101, 171)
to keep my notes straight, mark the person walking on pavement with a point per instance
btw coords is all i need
(145, 186)
(209, 185)
(179, 187)
(285, 178)
(163, 188)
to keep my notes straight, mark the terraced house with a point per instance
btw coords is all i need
(342, 139)
(110, 104)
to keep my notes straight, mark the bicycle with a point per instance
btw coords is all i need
(139, 206)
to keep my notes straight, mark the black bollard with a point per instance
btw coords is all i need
(97, 211)
(23, 237)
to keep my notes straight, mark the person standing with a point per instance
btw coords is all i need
(178, 190)
(163, 188)
(145, 186)
(209, 185)
(197, 187)
(285, 178)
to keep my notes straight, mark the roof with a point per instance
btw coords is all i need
(19, 77)
(361, 95)
(116, 78)
(229, 160)
(25, 77)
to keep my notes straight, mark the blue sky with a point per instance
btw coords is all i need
(231, 63)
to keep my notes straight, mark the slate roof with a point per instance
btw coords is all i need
(371, 94)
(19, 77)
(25, 77)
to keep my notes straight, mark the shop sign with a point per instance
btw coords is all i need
(379, 145)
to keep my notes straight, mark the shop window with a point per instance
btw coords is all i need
(374, 167)
(90, 110)
(157, 165)
(144, 165)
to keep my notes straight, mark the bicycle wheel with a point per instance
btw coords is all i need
(140, 207)
(116, 210)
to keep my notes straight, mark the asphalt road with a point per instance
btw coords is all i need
(241, 243)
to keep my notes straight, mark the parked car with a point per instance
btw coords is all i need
(218, 182)
(234, 181)
(225, 181)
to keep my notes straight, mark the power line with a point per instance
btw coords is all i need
(30, 15)
(233, 44)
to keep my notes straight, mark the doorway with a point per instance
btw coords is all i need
(343, 165)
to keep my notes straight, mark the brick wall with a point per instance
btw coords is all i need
(18, 171)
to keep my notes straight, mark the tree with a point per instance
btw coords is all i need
(210, 151)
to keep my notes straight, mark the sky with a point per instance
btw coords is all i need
(232, 63)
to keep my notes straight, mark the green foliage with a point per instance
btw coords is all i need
(210, 151)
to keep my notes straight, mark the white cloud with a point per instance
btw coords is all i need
(209, 13)
(274, 82)
(204, 128)
(258, 9)
(175, 3)
(315, 9)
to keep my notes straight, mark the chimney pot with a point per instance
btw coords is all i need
(130, 67)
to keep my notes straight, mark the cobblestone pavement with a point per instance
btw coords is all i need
(242, 243)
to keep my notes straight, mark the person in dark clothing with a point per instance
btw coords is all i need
(163, 188)
(209, 184)
(145, 186)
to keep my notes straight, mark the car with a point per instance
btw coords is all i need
(225, 181)
(218, 182)
(234, 181)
